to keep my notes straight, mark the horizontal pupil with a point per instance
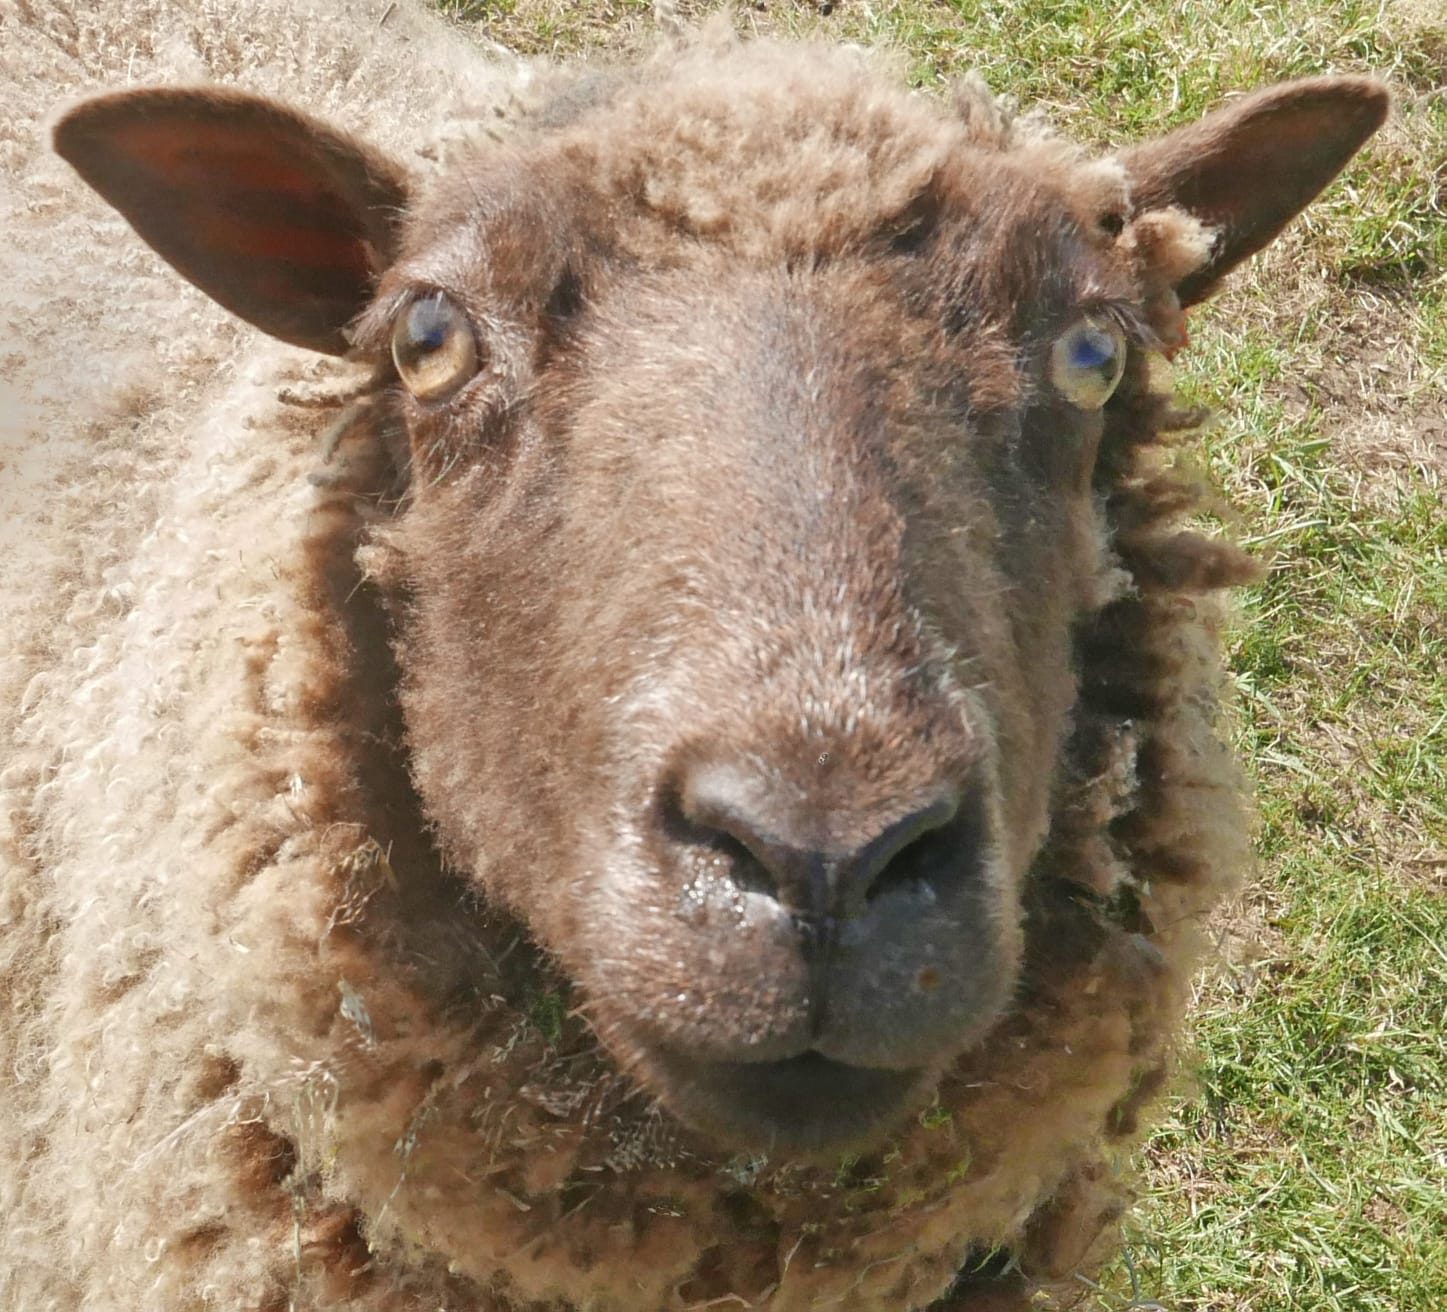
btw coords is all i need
(433, 348)
(1094, 352)
(428, 327)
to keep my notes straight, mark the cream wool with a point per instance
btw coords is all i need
(132, 462)
(263, 1046)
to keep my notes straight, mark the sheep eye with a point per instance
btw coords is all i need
(1086, 363)
(434, 348)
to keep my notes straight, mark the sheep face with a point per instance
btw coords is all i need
(779, 614)
(749, 520)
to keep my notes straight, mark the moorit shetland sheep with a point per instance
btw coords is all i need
(674, 764)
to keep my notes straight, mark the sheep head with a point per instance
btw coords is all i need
(755, 426)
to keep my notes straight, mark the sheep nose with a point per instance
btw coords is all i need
(820, 864)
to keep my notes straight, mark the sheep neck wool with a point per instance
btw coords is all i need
(273, 1053)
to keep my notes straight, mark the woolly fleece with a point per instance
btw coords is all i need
(220, 1089)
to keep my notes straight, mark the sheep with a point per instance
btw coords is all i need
(657, 748)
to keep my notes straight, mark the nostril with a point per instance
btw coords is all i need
(801, 857)
(709, 809)
(926, 850)
(939, 844)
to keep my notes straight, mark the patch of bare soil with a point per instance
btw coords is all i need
(1363, 369)
(1380, 401)
(1372, 362)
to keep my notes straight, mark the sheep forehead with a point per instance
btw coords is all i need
(779, 146)
(771, 149)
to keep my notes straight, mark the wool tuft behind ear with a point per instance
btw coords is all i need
(1247, 170)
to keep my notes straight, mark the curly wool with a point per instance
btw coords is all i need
(234, 1079)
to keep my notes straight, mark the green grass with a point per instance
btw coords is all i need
(1303, 1168)
(1309, 1171)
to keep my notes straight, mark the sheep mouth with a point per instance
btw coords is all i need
(805, 1105)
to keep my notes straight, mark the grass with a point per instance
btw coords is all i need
(1304, 1167)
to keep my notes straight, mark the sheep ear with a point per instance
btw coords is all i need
(281, 220)
(1245, 171)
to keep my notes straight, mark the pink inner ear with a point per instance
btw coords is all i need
(250, 238)
(242, 197)
(192, 152)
